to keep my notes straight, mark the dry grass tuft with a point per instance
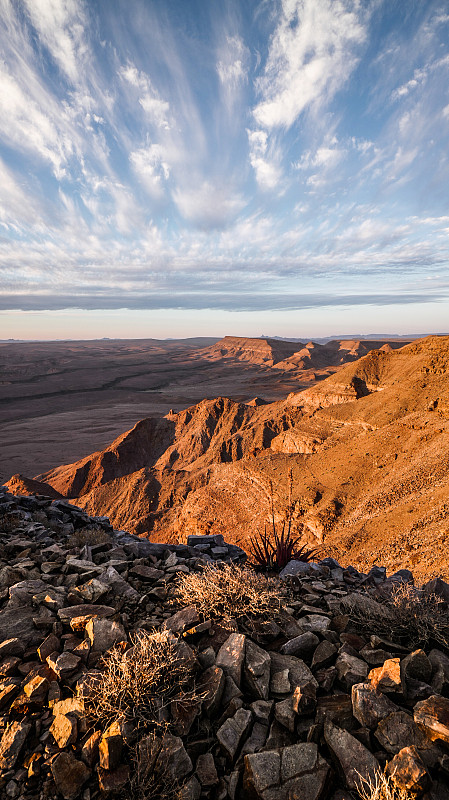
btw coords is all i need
(408, 616)
(381, 788)
(228, 591)
(93, 534)
(138, 685)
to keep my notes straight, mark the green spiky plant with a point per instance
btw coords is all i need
(272, 550)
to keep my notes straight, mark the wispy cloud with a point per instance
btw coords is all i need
(261, 156)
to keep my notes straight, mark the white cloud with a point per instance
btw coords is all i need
(25, 125)
(151, 167)
(264, 163)
(156, 109)
(60, 24)
(208, 205)
(312, 54)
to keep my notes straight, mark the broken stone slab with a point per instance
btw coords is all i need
(16, 622)
(173, 760)
(84, 611)
(355, 762)
(22, 592)
(370, 706)
(92, 590)
(113, 782)
(118, 584)
(111, 747)
(12, 742)
(301, 646)
(89, 750)
(257, 666)
(416, 666)
(11, 647)
(64, 730)
(144, 573)
(184, 619)
(296, 771)
(387, 678)
(36, 689)
(69, 775)
(231, 655)
(284, 713)
(300, 674)
(206, 771)
(408, 771)
(437, 587)
(304, 699)
(295, 568)
(350, 670)
(231, 734)
(8, 690)
(64, 665)
(257, 739)
(324, 655)
(104, 633)
(280, 682)
(212, 683)
(398, 730)
(432, 716)
(50, 645)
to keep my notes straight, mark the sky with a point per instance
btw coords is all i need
(207, 167)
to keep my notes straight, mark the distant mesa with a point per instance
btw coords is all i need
(364, 453)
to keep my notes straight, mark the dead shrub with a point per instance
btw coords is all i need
(89, 535)
(152, 776)
(407, 615)
(137, 685)
(228, 591)
(381, 788)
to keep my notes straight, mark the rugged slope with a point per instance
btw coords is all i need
(367, 450)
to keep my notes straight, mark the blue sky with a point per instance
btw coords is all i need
(249, 167)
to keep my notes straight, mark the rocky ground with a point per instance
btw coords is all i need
(297, 706)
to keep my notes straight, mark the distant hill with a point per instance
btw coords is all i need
(367, 450)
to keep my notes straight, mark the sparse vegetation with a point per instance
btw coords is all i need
(150, 777)
(272, 550)
(228, 591)
(137, 684)
(89, 535)
(410, 617)
(381, 788)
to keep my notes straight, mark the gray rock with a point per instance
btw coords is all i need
(353, 759)
(212, 685)
(173, 760)
(301, 646)
(299, 568)
(184, 619)
(398, 730)
(11, 744)
(370, 706)
(231, 655)
(104, 633)
(257, 665)
(69, 775)
(297, 771)
(432, 715)
(350, 670)
(231, 734)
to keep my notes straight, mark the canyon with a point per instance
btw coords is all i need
(354, 455)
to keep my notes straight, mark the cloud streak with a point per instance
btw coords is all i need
(261, 156)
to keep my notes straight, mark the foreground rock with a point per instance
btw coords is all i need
(302, 706)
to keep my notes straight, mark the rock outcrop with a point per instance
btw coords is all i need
(303, 704)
